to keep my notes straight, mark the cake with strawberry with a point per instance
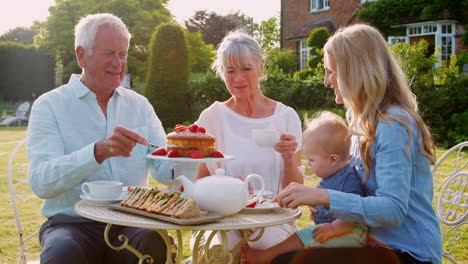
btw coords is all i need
(190, 141)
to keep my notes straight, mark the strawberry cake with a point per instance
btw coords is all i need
(187, 141)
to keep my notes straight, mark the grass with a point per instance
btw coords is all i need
(32, 220)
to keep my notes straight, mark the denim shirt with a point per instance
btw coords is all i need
(64, 126)
(398, 208)
(344, 180)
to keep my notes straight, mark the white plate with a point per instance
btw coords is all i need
(103, 202)
(189, 160)
(267, 207)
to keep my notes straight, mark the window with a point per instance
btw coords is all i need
(445, 40)
(303, 54)
(319, 5)
(444, 34)
(363, 1)
(394, 39)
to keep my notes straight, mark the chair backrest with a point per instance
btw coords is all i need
(25, 203)
(451, 197)
(23, 109)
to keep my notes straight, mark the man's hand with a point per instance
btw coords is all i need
(119, 144)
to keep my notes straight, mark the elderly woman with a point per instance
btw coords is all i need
(240, 64)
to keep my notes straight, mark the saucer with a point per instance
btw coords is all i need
(261, 208)
(103, 202)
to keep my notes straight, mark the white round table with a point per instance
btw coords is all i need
(240, 221)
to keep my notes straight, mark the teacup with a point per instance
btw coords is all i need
(102, 190)
(266, 138)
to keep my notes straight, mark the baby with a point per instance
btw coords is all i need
(326, 143)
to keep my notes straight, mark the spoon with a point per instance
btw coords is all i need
(152, 145)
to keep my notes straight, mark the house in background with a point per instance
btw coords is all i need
(300, 17)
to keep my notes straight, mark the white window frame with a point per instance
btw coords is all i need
(364, 1)
(393, 39)
(444, 34)
(304, 54)
(315, 3)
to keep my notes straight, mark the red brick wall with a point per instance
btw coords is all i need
(459, 46)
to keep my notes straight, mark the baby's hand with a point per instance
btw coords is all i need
(323, 232)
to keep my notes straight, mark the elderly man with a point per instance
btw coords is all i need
(93, 129)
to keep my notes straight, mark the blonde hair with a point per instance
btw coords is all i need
(370, 81)
(238, 48)
(330, 132)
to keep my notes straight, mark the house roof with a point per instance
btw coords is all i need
(305, 30)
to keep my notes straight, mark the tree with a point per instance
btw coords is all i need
(316, 41)
(21, 35)
(212, 26)
(168, 71)
(201, 54)
(268, 35)
(384, 14)
(141, 16)
(244, 22)
(284, 60)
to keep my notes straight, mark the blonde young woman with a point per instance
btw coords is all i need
(240, 64)
(392, 149)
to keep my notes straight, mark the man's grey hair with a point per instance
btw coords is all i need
(85, 30)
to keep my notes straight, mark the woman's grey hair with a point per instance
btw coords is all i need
(85, 30)
(236, 48)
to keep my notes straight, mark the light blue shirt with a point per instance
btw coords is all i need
(398, 208)
(64, 125)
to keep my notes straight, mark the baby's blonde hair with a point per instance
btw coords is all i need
(330, 132)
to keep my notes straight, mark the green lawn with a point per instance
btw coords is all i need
(30, 209)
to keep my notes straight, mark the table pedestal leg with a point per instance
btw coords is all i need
(220, 252)
(125, 245)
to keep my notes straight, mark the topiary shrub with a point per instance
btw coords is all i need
(168, 72)
(316, 40)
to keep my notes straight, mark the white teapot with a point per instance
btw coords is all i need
(219, 193)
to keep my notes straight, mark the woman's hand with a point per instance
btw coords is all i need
(287, 146)
(296, 194)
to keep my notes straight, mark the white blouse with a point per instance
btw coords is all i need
(233, 134)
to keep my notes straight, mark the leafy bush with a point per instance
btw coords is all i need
(441, 91)
(281, 59)
(462, 59)
(168, 71)
(204, 89)
(304, 74)
(25, 72)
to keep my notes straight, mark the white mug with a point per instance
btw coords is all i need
(266, 138)
(102, 190)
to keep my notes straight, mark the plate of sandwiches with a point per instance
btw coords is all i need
(165, 205)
